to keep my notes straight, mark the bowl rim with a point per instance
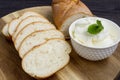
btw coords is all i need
(115, 43)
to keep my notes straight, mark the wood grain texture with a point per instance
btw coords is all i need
(77, 69)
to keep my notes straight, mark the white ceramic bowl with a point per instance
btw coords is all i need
(93, 53)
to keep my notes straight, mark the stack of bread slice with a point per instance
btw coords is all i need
(40, 45)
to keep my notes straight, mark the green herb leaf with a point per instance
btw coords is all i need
(95, 28)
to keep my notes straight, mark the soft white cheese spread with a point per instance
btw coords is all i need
(103, 39)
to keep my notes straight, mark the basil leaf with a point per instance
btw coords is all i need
(95, 28)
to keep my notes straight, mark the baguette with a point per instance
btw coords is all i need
(37, 38)
(46, 59)
(30, 28)
(67, 11)
(25, 22)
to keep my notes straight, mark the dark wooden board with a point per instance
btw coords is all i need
(77, 69)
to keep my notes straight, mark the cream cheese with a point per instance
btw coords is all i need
(105, 38)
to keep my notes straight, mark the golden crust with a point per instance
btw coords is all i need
(63, 9)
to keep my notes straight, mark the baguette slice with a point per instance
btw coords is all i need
(30, 28)
(37, 38)
(14, 23)
(27, 21)
(67, 11)
(5, 31)
(44, 60)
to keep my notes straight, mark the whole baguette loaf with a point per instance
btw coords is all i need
(67, 11)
